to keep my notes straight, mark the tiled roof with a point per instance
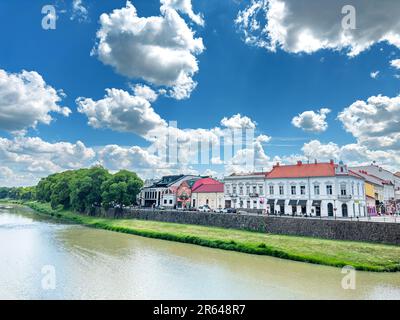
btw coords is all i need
(210, 188)
(204, 181)
(303, 170)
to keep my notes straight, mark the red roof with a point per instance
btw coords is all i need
(207, 185)
(302, 170)
(203, 181)
(210, 188)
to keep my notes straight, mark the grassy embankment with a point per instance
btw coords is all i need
(362, 256)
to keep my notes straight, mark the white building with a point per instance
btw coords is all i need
(245, 191)
(391, 180)
(163, 192)
(317, 189)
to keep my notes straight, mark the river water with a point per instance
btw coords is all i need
(43, 259)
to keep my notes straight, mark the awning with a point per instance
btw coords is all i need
(302, 203)
(316, 203)
(292, 202)
(280, 203)
(271, 202)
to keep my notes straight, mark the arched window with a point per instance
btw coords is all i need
(330, 210)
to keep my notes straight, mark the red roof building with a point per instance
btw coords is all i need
(302, 170)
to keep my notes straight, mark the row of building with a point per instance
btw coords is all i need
(313, 189)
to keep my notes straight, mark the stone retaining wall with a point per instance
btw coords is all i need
(327, 229)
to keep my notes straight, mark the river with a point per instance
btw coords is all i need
(44, 259)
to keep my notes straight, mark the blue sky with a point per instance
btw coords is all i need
(270, 87)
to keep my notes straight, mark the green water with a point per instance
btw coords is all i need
(95, 264)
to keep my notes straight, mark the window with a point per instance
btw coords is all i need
(228, 189)
(247, 189)
(303, 190)
(165, 201)
(261, 189)
(352, 188)
(316, 190)
(271, 190)
(170, 201)
(234, 190)
(293, 190)
(254, 189)
(281, 191)
(240, 190)
(329, 189)
(343, 190)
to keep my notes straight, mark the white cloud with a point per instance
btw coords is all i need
(395, 63)
(184, 6)
(238, 122)
(374, 123)
(312, 121)
(304, 26)
(374, 74)
(352, 154)
(160, 49)
(145, 92)
(30, 158)
(120, 111)
(26, 100)
(79, 12)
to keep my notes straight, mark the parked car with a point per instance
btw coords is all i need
(205, 209)
(229, 210)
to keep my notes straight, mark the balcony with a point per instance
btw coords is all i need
(253, 195)
(233, 195)
(344, 197)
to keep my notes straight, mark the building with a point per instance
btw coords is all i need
(245, 191)
(317, 189)
(163, 192)
(389, 190)
(208, 191)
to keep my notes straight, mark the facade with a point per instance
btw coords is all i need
(384, 187)
(163, 192)
(318, 189)
(245, 191)
(208, 192)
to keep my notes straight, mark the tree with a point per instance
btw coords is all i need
(121, 189)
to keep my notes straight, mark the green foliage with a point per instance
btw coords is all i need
(121, 189)
(81, 190)
(20, 193)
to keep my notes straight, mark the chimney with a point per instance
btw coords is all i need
(299, 163)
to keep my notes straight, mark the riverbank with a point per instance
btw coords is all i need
(362, 256)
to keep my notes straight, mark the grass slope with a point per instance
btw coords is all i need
(360, 255)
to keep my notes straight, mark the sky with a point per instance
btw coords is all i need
(99, 82)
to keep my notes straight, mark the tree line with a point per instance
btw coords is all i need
(81, 190)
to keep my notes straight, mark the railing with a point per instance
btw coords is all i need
(253, 195)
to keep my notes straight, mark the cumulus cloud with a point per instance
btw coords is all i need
(312, 121)
(238, 122)
(121, 111)
(26, 100)
(352, 154)
(305, 26)
(160, 49)
(374, 123)
(145, 92)
(33, 158)
(184, 6)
